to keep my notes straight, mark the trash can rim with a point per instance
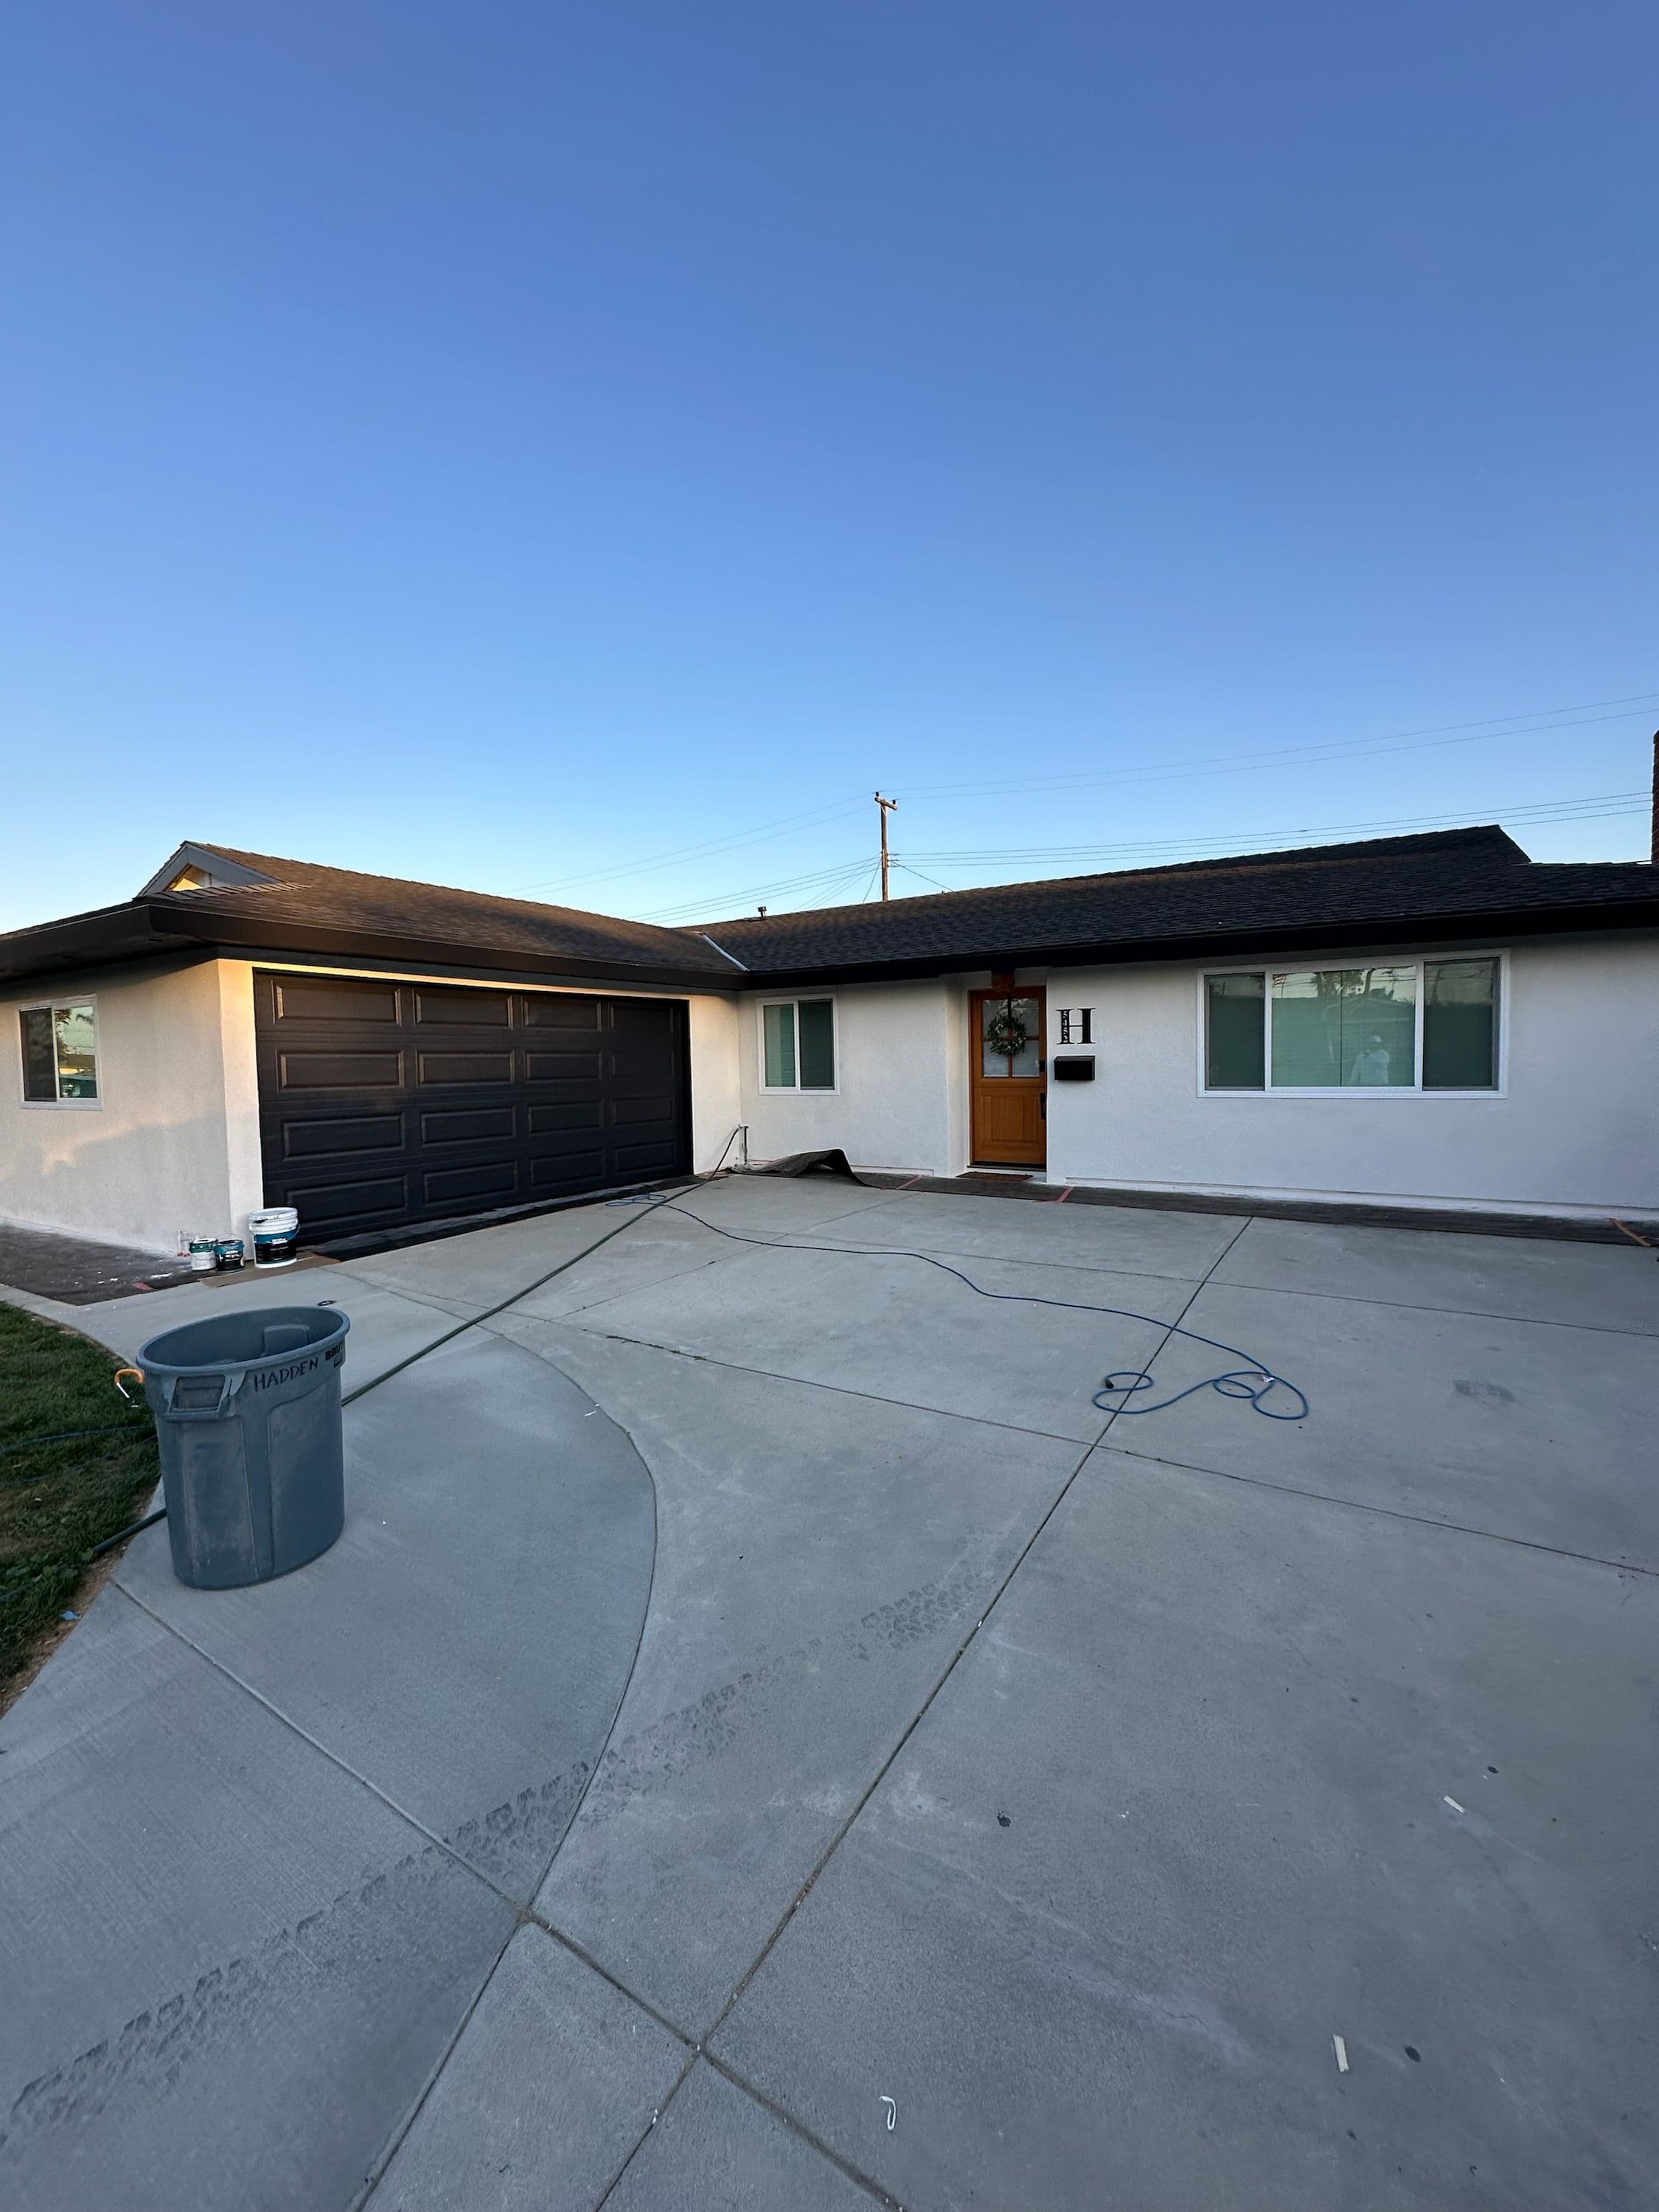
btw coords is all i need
(151, 1364)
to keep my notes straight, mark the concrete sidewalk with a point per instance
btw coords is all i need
(1008, 1802)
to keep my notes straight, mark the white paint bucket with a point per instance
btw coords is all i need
(203, 1255)
(275, 1235)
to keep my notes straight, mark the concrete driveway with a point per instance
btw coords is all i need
(768, 1738)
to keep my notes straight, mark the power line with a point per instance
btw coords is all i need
(729, 903)
(1539, 812)
(757, 835)
(846, 865)
(1598, 806)
(1228, 764)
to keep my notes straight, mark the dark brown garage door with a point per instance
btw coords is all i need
(382, 1103)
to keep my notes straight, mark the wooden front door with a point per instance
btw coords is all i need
(1006, 1078)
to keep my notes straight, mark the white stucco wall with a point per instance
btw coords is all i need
(900, 1068)
(155, 1154)
(244, 1161)
(716, 1092)
(1578, 1130)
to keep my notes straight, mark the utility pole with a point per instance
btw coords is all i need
(886, 807)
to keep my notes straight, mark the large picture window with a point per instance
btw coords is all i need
(1411, 1025)
(60, 1054)
(798, 1044)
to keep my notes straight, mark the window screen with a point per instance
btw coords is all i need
(1235, 1034)
(1460, 1025)
(779, 1026)
(1342, 1029)
(816, 1020)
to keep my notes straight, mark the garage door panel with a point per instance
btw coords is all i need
(558, 1013)
(570, 1172)
(550, 1117)
(639, 1067)
(464, 1067)
(631, 1112)
(586, 1065)
(334, 999)
(485, 1098)
(343, 1134)
(647, 1157)
(342, 1071)
(336, 1205)
(638, 1059)
(497, 1181)
(479, 1010)
(467, 1125)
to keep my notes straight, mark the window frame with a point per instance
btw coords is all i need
(1268, 968)
(54, 1007)
(795, 1090)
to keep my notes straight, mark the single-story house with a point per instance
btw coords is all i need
(1424, 1020)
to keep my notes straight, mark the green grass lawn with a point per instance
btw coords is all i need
(60, 1493)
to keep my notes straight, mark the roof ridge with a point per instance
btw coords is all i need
(1484, 834)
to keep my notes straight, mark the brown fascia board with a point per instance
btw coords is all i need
(145, 929)
(105, 937)
(252, 936)
(1482, 929)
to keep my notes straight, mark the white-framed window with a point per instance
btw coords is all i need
(798, 1046)
(58, 1044)
(1389, 1027)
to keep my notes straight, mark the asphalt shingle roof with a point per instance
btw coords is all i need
(317, 897)
(1454, 884)
(1315, 891)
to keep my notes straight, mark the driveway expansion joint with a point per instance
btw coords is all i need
(1383, 1512)
(799, 1381)
(1451, 1312)
(343, 1766)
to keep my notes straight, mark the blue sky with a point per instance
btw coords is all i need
(507, 445)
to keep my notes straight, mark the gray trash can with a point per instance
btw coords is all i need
(248, 1415)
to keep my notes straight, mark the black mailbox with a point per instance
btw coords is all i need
(1079, 1068)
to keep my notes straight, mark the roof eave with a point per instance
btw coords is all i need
(109, 936)
(152, 928)
(257, 935)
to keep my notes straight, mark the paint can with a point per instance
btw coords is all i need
(230, 1251)
(276, 1233)
(203, 1255)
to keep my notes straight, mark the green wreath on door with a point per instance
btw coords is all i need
(1006, 1033)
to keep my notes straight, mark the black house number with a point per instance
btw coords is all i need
(1077, 1024)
